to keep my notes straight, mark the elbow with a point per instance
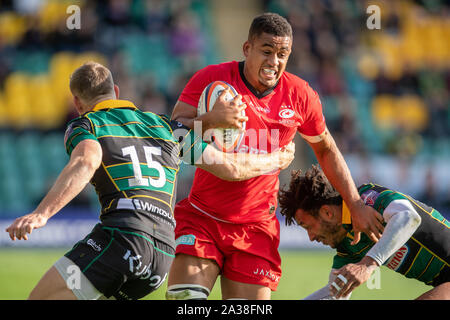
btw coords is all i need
(90, 164)
(410, 218)
(416, 220)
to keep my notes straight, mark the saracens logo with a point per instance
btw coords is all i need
(286, 112)
(396, 260)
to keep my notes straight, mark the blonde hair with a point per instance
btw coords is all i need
(90, 81)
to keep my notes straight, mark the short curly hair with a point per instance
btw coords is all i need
(308, 192)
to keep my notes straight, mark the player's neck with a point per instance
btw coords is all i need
(262, 92)
(100, 99)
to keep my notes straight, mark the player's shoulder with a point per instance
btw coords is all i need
(166, 122)
(228, 65)
(219, 69)
(295, 81)
(294, 85)
(83, 121)
(151, 118)
(378, 196)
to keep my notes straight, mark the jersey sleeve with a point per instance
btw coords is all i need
(379, 197)
(78, 130)
(191, 145)
(340, 260)
(314, 126)
(347, 253)
(194, 88)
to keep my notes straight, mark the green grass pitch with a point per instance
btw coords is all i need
(303, 272)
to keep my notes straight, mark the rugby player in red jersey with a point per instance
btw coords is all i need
(230, 228)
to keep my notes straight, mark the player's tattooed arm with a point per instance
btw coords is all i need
(243, 166)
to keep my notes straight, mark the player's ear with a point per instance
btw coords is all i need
(326, 212)
(246, 48)
(116, 91)
(78, 105)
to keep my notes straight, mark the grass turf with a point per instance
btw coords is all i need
(303, 273)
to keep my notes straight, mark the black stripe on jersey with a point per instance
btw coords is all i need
(413, 251)
(432, 232)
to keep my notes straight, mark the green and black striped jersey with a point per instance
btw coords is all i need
(136, 182)
(425, 256)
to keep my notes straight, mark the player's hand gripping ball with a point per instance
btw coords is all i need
(224, 139)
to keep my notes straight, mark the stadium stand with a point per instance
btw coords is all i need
(151, 46)
(385, 92)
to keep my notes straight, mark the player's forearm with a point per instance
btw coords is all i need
(325, 294)
(200, 124)
(71, 181)
(241, 166)
(337, 172)
(251, 165)
(237, 166)
(400, 227)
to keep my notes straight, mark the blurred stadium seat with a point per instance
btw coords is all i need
(399, 77)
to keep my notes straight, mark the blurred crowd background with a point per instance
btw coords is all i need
(385, 92)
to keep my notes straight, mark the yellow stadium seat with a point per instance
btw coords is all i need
(413, 113)
(407, 112)
(383, 112)
(46, 110)
(12, 27)
(60, 68)
(17, 100)
(368, 66)
(3, 112)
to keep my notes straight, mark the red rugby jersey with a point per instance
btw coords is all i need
(274, 117)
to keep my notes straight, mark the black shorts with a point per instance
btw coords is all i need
(122, 263)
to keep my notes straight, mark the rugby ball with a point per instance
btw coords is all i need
(224, 139)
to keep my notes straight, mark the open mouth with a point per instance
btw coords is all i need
(268, 73)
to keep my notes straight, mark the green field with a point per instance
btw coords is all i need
(303, 273)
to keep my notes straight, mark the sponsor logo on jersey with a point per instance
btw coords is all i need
(94, 245)
(263, 109)
(370, 197)
(68, 133)
(396, 260)
(150, 207)
(143, 271)
(188, 239)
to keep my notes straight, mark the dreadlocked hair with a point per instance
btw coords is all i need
(307, 192)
